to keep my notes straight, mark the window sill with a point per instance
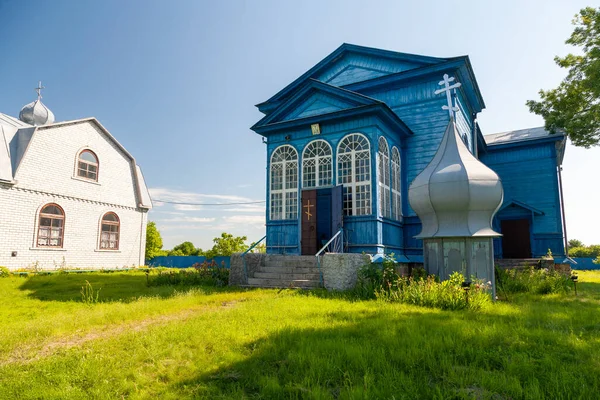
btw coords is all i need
(106, 251)
(86, 180)
(48, 248)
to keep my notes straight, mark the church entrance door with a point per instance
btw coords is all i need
(516, 242)
(322, 217)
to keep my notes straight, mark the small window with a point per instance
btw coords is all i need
(87, 165)
(109, 232)
(51, 226)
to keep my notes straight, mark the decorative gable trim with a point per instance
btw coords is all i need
(273, 102)
(522, 205)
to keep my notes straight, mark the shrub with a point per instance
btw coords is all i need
(4, 272)
(381, 281)
(531, 280)
(592, 251)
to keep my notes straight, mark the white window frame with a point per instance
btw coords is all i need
(286, 208)
(321, 159)
(360, 166)
(396, 163)
(383, 178)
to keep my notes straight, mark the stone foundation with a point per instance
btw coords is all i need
(340, 271)
(236, 267)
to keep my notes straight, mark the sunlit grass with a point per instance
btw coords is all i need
(166, 342)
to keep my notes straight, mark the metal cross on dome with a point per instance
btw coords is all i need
(447, 88)
(39, 89)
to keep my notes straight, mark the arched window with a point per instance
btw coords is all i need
(316, 164)
(383, 179)
(109, 232)
(87, 165)
(396, 186)
(284, 183)
(51, 226)
(354, 172)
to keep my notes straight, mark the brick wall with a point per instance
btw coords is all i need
(47, 175)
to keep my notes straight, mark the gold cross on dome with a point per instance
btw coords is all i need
(307, 212)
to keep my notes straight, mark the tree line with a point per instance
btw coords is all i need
(224, 245)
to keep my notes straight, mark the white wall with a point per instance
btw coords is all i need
(46, 175)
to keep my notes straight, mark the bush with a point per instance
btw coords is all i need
(4, 272)
(531, 280)
(207, 274)
(381, 281)
(592, 251)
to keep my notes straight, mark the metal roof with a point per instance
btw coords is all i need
(519, 136)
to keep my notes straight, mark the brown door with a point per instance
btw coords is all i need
(515, 238)
(309, 222)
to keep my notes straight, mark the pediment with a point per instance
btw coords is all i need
(316, 98)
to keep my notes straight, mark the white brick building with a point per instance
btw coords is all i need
(70, 195)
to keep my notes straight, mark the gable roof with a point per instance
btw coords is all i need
(336, 55)
(521, 135)
(18, 145)
(347, 102)
(517, 203)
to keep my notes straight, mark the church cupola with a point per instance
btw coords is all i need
(36, 113)
(456, 196)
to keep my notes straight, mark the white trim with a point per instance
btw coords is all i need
(396, 185)
(353, 186)
(383, 178)
(320, 161)
(289, 196)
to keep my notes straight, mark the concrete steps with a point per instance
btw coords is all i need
(281, 271)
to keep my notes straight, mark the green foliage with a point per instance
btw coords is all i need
(382, 281)
(4, 272)
(575, 243)
(177, 342)
(88, 294)
(185, 249)
(597, 260)
(531, 280)
(592, 251)
(207, 274)
(227, 245)
(574, 106)
(154, 242)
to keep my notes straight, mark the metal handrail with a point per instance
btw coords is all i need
(244, 257)
(338, 243)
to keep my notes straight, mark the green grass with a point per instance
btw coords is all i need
(172, 343)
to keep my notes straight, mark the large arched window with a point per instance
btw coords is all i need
(316, 164)
(87, 165)
(354, 172)
(284, 183)
(109, 231)
(383, 178)
(396, 186)
(51, 226)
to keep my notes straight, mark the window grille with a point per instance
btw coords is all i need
(354, 173)
(383, 179)
(284, 183)
(396, 185)
(316, 164)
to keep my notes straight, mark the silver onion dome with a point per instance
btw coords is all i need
(456, 195)
(36, 113)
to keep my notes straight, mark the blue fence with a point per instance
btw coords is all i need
(185, 261)
(585, 263)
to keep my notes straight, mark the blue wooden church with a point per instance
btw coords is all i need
(346, 139)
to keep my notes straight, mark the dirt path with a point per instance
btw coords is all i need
(30, 353)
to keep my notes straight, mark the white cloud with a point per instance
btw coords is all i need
(179, 196)
(246, 219)
(189, 219)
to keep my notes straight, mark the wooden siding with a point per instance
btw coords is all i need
(529, 175)
(318, 103)
(359, 67)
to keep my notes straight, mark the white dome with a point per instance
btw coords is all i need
(456, 195)
(36, 113)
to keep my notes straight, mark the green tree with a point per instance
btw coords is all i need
(226, 245)
(185, 249)
(575, 243)
(154, 242)
(574, 106)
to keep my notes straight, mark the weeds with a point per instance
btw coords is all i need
(531, 280)
(209, 274)
(88, 294)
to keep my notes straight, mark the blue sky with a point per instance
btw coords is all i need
(176, 83)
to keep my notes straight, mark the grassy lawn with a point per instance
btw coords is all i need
(173, 343)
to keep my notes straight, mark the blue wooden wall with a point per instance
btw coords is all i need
(529, 176)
